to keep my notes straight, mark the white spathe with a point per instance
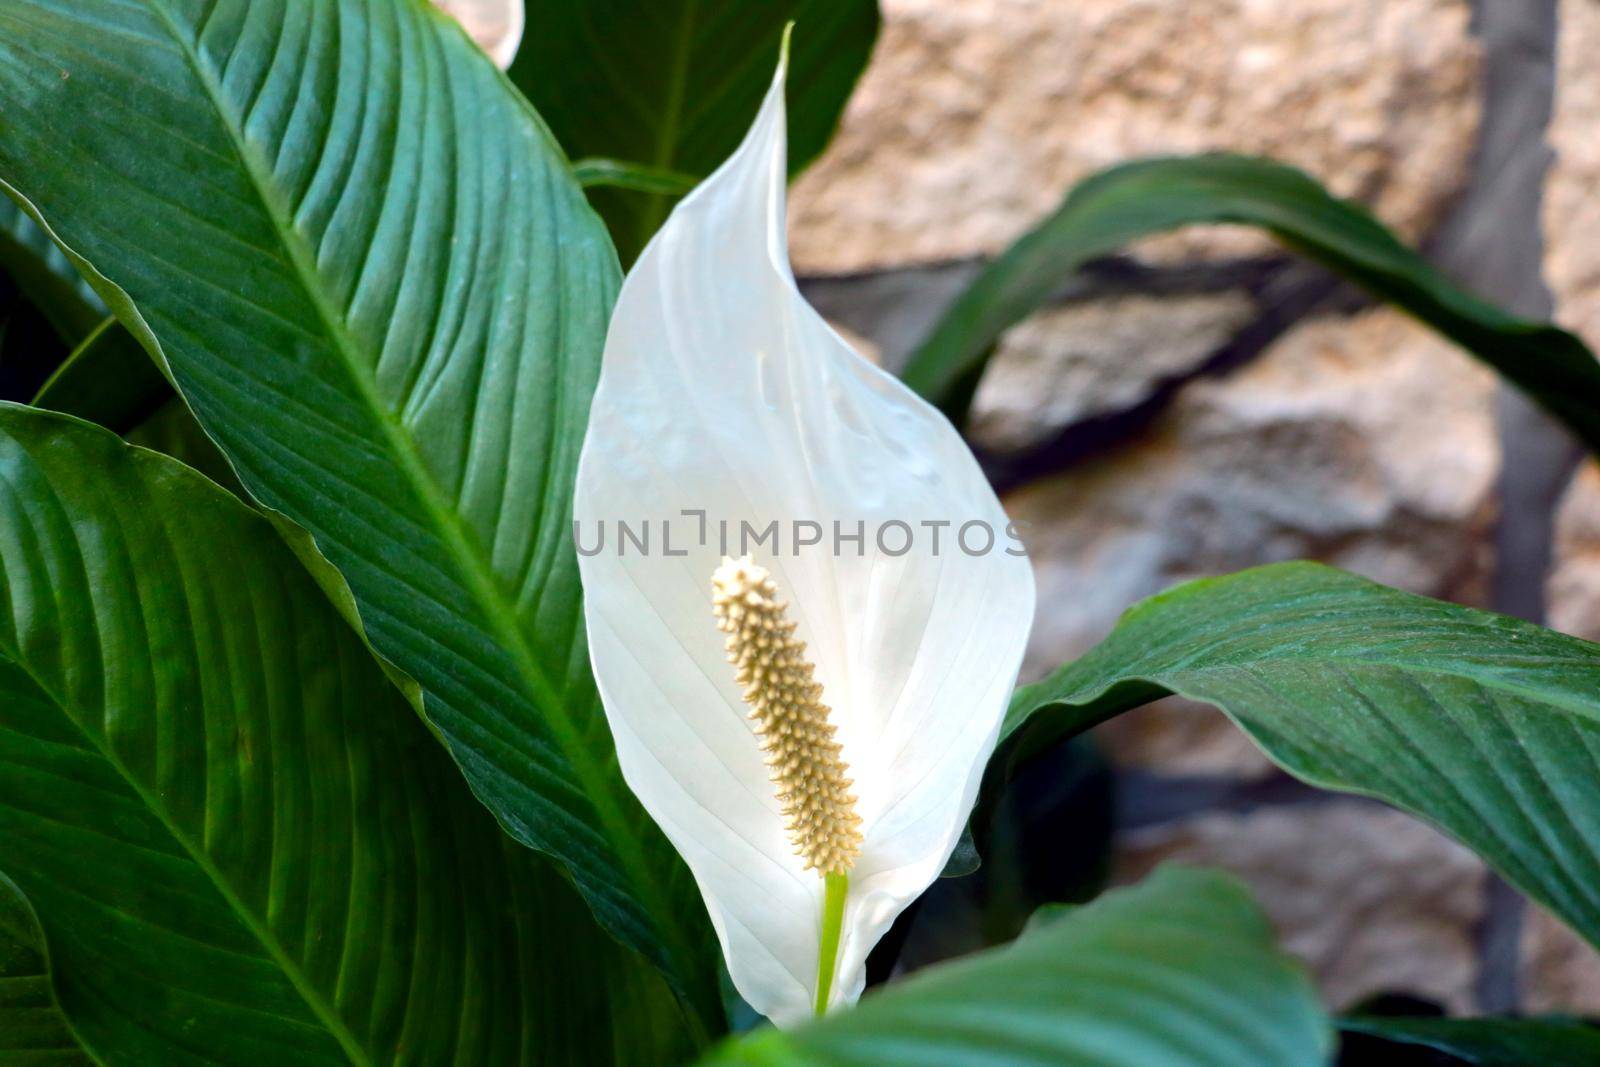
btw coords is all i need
(495, 24)
(722, 391)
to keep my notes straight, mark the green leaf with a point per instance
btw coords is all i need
(109, 379)
(1117, 206)
(33, 1032)
(1486, 726)
(242, 843)
(45, 276)
(672, 85)
(173, 431)
(616, 174)
(1490, 1042)
(376, 283)
(1179, 971)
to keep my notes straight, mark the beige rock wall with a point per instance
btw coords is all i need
(1573, 591)
(976, 115)
(1572, 235)
(1366, 442)
(1559, 971)
(1068, 364)
(1389, 905)
(1355, 437)
(1572, 189)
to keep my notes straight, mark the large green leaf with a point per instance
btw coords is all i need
(1490, 1042)
(108, 379)
(33, 1032)
(111, 380)
(242, 843)
(1117, 206)
(1486, 726)
(1179, 971)
(379, 288)
(674, 84)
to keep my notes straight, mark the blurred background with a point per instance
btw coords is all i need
(1208, 403)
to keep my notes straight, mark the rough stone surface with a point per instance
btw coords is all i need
(1362, 441)
(1070, 363)
(1572, 186)
(1572, 594)
(1366, 442)
(1572, 267)
(1560, 971)
(975, 116)
(1369, 898)
(1182, 737)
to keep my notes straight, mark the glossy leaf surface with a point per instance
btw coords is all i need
(1489, 1042)
(243, 845)
(1486, 726)
(672, 85)
(382, 294)
(1180, 970)
(33, 1032)
(1116, 207)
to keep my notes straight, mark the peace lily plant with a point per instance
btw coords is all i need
(421, 643)
(814, 749)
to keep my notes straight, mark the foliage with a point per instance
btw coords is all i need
(32, 1027)
(351, 384)
(1180, 969)
(1117, 206)
(1489, 1042)
(669, 88)
(269, 823)
(301, 758)
(1484, 725)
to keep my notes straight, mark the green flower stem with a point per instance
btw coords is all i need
(835, 887)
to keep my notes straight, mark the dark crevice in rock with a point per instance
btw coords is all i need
(897, 309)
(1146, 799)
(1286, 296)
(1493, 244)
(894, 309)
(1498, 940)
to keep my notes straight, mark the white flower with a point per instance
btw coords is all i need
(495, 24)
(726, 404)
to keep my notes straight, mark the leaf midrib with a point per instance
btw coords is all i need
(325, 1012)
(475, 572)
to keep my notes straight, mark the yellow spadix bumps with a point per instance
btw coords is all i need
(786, 706)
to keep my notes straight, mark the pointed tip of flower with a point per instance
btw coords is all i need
(783, 49)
